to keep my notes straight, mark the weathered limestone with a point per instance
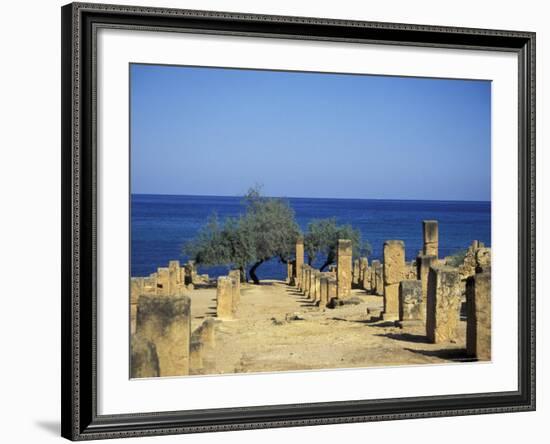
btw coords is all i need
(332, 288)
(364, 276)
(224, 298)
(166, 322)
(206, 332)
(483, 259)
(163, 281)
(344, 255)
(431, 237)
(394, 265)
(377, 278)
(175, 286)
(443, 304)
(356, 272)
(299, 258)
(423, 264)
(318, 275)
(323, 290)
(235, 275)
(478, 318)
(144, 362)
(190, 273)
(195, 355)
(410, 301)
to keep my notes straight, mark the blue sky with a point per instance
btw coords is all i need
(215, 131)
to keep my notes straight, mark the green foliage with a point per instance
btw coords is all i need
(266, 230)
(321, 239)
(457, 258)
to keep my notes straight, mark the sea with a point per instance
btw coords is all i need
(161, 224)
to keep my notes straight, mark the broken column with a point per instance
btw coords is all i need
(175, 286)
(224, 298)
(317, 284)
(377, 277)
(443, 304)
(299, 258)
(332, 288)
(410, 302)
(423, 264)
(394, 264)
(313, 284)
(166, 322)
(478, 318)
(431, 237)
(343, 276)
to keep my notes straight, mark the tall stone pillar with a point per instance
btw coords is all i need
(313, 284)
(224, 298)
(166, 322)
(394, 266)
(431, 237)
(423, 264)
(317, 285)
(376, 276)
(356, 272)
(235, 276)
(174, 275)
(323, 291)
(443, 305)
(343, 272)
(299, 258)
(363, 273)
(478, 320)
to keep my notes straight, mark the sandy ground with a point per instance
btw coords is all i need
(276, 329)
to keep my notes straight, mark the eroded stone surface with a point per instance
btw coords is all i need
(344, 267)
(144, 361)
(478, 327)
(224, 298)
(410, 301)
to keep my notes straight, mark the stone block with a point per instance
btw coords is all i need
(443, 304)
(163, 281)
(195, 356)
(423, 265)
(394, 261)
(356, 272)
(166, 322)
(391, 302)
(323, 291)
(410, 301)
(478, 317)
(483, 259)
(344, 267)
(144, 362)
(224, 298)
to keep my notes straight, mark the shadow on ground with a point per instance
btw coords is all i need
(451, 354)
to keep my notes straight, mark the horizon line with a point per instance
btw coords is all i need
(305, 197)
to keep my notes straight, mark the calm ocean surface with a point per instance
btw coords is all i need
(161, 224)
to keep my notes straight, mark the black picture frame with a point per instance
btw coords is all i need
(80, 420)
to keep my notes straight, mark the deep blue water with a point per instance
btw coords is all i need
(161, 224)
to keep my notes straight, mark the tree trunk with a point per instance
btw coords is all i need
(252, 272)
(330, 260)
(243, 274)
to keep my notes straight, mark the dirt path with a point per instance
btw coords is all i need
(276, 329)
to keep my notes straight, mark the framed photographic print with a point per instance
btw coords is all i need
(280, 221)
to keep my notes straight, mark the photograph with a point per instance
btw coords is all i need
(298, 221)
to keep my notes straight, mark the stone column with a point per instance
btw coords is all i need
(313, 284)
(410, 302)
(332, 288)
(443, 305)
(356, 272)
(344, 254)
(323, 291)
(166, 322)
(363, 273)
(394, 265)
(144, 362)
(431, 237)
(423, 264)
(224, 298)
(317, 285)
(307, 269)
(174, 277)
(235, 275)
(478, 320)
(299, 258)
(376, 276)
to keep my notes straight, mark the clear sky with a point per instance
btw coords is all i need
(215, 131)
